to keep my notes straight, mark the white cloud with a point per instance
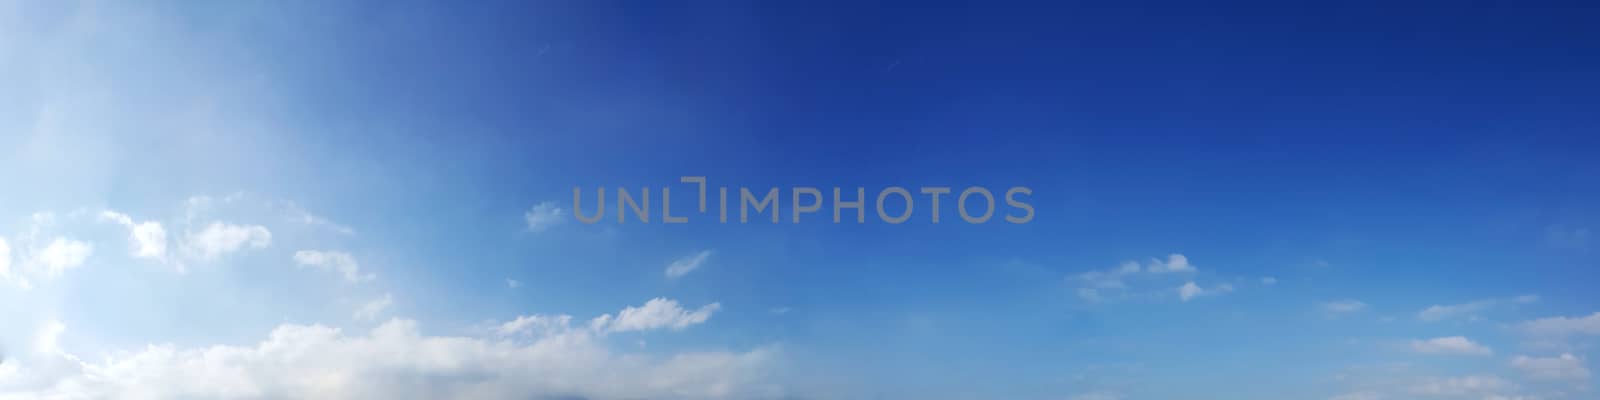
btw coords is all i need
(1269, 281)
(657, 313)
(396, 361)
(220, 238)
(1476, 385)
(1343, 306)
(372, 309)
(1358, 396)
(686, 265)
(5, 260)
(148, 238)
(536, 325)
(1111, 278)
(39, 255)
(1175, 263)
(1564, 367)
(1563, 326)
(543, 216)
(341, 262)
(1453, 345)
(1097, 396)
(305, 217)
(1190, 290)
(513, 283)
(62, 254)
(1130, 279)
(1470, 310)
(48, 340)
(1091, 295)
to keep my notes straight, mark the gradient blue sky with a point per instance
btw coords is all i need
(1372, 200)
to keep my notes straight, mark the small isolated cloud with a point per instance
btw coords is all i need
(372, 309)
(1358, 396)
(513, 283)
(1558, 327)
(219, 238)
(60, 255)
(1343, 307)
(685, 265)
(1119, 282)
(658, 313)
(1565, 367)
(1482, 386)
(1175, 263)
(543, 216)
(1097, 396)
(1453, 345)
(302, 216)
(341, 262)
(148, 239)
(1471, 310)
(1269, 281)
(779, 310)
(39, 256)
(1191, 290)
(1568, 238)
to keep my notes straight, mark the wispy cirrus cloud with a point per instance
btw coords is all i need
(338, 261)
(395, 360)
(1452, 345)
(683, 266)
(1471, 310)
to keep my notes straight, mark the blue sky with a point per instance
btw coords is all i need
(261, 200)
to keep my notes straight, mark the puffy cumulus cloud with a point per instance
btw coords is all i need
(62, 254)
(45, 262)
(344, 263)
(543, 216)
(684, 266)
(1126, 279)
(148, 239)
(1453, 345)
(41, 252)
(1565, 367)
(396, 361)
(219, 238)
(657, 313)
(1470, 310)
(1563, 326)
(1175, 263)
